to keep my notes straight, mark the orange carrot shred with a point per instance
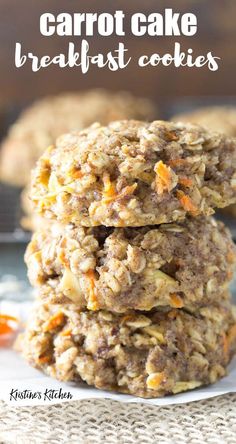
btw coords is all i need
(110, 192)
(92, 303)
(155, 380)
(63, 259)
(5, 317)
(109, 187)
(5, 327)
(44, 359)
(187, 203)
(163, 179)
(176, 301)
(55, 321)
(66, 332)
(77, 174)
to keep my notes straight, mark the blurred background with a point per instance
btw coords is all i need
(173, 90)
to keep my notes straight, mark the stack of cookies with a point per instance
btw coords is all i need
(132, 271)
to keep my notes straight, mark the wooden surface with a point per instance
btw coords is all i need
(216, 33)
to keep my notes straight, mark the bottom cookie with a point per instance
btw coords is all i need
(148, 355)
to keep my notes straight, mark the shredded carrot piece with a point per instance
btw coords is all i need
(45, 173)
(109, 187)
(55, 321)
(164, 177)
(66, 332)
(93, 302)
(155, 379)
(5, 327)
(127, 190)
(63, 259)
(187, 203)
(76, 173)
(185, 181)
(176, 301)
(5, 317)
(44, 359)
(110, 192)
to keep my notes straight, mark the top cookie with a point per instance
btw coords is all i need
(40, 125)
(133, 173)
(215, 118)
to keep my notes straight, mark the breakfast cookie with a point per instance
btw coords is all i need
(148, 355)
(133, 173)
(187, 264)
(40, 124)
(215, 118)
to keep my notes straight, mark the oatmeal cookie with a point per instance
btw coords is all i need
(187, 264)
(133, 173)
(40, 125)
(148, 355)
(215, 118)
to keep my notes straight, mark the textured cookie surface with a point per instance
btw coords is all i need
(40, 125)
(147, 355)
(133, 173)
(182, 265)
(215, 118)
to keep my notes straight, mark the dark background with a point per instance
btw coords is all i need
(216, 33)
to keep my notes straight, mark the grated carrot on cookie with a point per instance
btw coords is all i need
(165, 177)
(92, 302)
(176, 301)
(66, 332)
(187, 203)
(44, 359)
(76, 173)
(55, 321)
(5, 326)
(109, 187)
(110, 193)
(155, 379)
